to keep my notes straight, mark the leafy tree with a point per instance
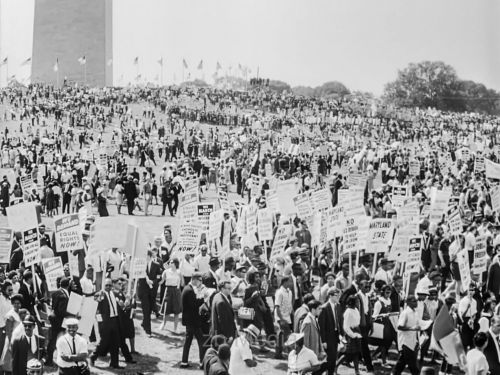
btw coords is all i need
(279, 86)
(331, 88)
(426, 84)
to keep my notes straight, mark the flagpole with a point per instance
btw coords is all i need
(85, 71)
(161, 72)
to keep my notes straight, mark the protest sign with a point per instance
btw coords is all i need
(286, 190)
(27, 183)
(106, 233)
(479, 164)
(280, 241)
(189, 198)
(480, 256)
(188, 212)
(321, 199)
(303, 204)
(265, 224)
(316, 228)
(67, 232)
(455, 222)
(352, 202)
(399, 249)
(409, 212)
(492, 169)
(272, 200)
(356, 179)
(439, 203)
(138, 268)
(354, 234)
(495, 198)
(136, 243)
(336, 222)
(399, 195)
(380, 233)
(5, 244)
(414, 255)
(22, 216)
(256, 186)
(215, 224)
(464, 268)
(224, 201)
(52, 268)
(31, 247)
(414, 169)
(188, 238)
(203, 212)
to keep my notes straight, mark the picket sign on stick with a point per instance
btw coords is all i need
(129, 287)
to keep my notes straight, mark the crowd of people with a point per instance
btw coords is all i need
(306, 293)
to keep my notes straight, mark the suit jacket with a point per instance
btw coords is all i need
(143, 289)
(104, 307)
(366, 316)
(20, 350)
(312, 337)
(59, 304)
(222, 317)
(492, 355)
(493, 283)
(298, 317)
(352, 290)
(329, 329)
(218, 368)
(209, 280)
(190, 307)
(28, 298)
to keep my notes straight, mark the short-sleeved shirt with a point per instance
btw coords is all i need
(240, 352)
(304, 359)
(65, 347)
(476, 361)
(283, 300)
(408, 319)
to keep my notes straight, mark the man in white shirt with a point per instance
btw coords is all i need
(477, 363)
(302, 360)
(200, 262)
(283, 305)
(241, 360)
(113, 261)
(87, 282)
(72, 349)
(408, 329)
(467, 312)
(383, 273)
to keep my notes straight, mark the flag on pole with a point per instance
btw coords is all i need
(4, 61)
(56, 65)
(184, 63)
(446, 339)
(110, 62)
(136, 60)
(82, 60)
(218, 66)
(26, 62)
(200, 65)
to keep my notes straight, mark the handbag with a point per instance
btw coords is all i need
(377, 331)
(246, 313)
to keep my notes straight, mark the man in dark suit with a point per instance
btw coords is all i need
(353, 289)
(396, 288)
(191, 318)
(221, 366)
(365, 309)
(130, 191)
(146, 291)
(330, 327)
(25, 347)
(493, 282)
(44, 237)
(60, 300)
(222, 317)
(491, 352)
(210, 279)
(109, 326)
(26, 290)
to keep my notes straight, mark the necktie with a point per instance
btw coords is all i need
(74, 346)
(335, 318)
(111, 304)
(31, 347)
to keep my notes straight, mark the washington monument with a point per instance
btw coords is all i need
(73, 42)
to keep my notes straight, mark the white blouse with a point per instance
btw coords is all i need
(351, 320)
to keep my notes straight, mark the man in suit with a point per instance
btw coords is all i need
(130, 191)
(44, 237)
(191, 319)
(25, 347)
(26, 290)
(353, 289)
(146, 291)
(310, 328)
(492, 350)
(222, 317)
(493, 282)
(210, 278)
(366, 323)
(221, 366)
(109, 326)
(330, 327)
(301, 312)
(60, 300)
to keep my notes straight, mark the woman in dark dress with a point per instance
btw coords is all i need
(101, 203)
(50, 200)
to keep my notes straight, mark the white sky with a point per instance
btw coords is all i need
(361, 43)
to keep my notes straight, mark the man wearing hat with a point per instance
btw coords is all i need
(302, 360)
(241, 354)
(72, 350)
(25, 346)
(191, 319)
(210, 278)
(222, 316)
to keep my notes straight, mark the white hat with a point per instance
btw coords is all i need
(70, 322)
(293, 338)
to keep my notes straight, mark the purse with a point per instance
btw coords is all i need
(378, 331)
(246, 313)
